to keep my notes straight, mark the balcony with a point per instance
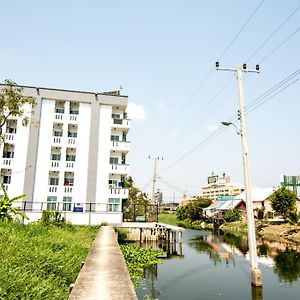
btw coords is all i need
(120, 146)
(121, 123)
(9, 137)
(119, 169)
(7, 162)
(69, 164)
(117, 192)
(58, 116)
(54, 164)
(52, 189)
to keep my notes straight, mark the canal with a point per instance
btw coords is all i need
(212, 266)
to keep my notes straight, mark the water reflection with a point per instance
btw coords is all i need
(202, 250)
(287, 265)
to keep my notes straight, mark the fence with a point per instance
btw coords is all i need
(140, 213)
(66, 206)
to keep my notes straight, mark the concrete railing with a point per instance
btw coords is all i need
(104, 275)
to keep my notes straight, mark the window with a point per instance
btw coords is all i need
(59, 110)
(11, 130)
(113, 183)
(57, 133)
(6, 179)
(70, 157)
(51, 202)
(8, 154)
(114, 204)
(74, 111)
(114, 138)
(55, 156)
(116, 116)
(69, 181)
(113, 160)
(72, 134)
(67, 203)
(53, 180)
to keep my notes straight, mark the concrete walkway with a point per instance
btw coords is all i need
(104, 275)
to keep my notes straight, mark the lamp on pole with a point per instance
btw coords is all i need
(256, 278)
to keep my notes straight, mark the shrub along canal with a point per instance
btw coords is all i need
(216, 266)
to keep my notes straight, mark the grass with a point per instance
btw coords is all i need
(168, 219)
(39, 262)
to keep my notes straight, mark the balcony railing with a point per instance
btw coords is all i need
(121, 123)
(30, 206)
(7, 161)
(119, 168)
(54, 163)
(58, 116)
(9, 137)
(118, 192)
(120, 145)
(69, 164)
(52, 188)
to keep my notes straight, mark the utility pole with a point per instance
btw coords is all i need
(256, 278)
(154, 176)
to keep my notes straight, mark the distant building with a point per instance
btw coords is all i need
(220, 186)
(260, 198)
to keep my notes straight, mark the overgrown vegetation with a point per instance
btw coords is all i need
(193, 210)
(137, 258)
(7, 212)
(40, 262)
(232, 215)
(137, 204)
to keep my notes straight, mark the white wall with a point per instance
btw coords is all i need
(82, 153)
(103, 154)
(43, 154)
(82, 218)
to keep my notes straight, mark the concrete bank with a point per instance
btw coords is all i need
(104, 275)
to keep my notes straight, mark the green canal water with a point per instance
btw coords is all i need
(212, 266)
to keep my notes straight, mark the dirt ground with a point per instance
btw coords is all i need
(282, 233)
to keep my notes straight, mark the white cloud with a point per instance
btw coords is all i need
(212, 127)
(135, 111)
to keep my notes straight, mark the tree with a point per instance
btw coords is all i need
(283, 201)
(13, 104)
(194, 208)
(137, 203)
(7, 211)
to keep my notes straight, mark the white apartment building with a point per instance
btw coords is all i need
(72, 156)
(220, 187)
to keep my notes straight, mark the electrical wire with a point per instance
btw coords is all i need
(279, 46)
(212, 68)
(273, 33)
(262, 99)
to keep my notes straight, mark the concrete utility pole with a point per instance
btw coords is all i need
(256, 278)
(154, 177)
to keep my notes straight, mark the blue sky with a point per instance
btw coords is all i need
(162, 53)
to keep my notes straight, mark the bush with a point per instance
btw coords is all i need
(122, 235)
(232, 215)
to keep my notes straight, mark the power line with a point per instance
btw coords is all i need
(212, 68)
(273, 33)
(279, 46)
(262, 98)
(252, 55)
(190, 126)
